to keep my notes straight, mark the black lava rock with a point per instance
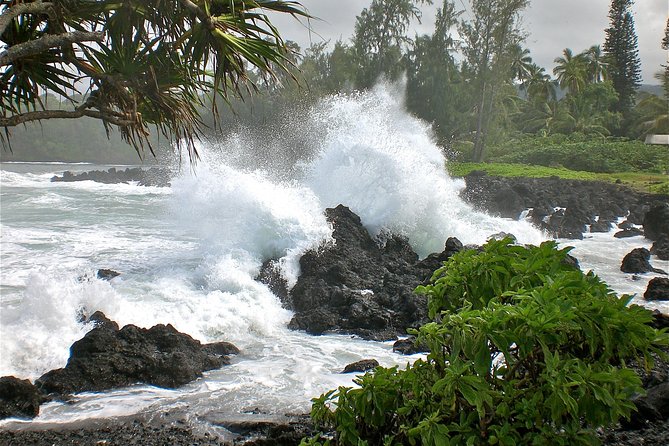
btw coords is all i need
(660, 248)
(656, 221)
(108, 357)
(360, 286)
(638, 261)
(361, 366)
(19, 398)
(658, 289)
(154, 176)
(563, 208)
(107, 274)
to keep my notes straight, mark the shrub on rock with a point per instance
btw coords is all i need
(524, 349)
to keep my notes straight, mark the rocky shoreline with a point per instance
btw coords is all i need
(357, 285)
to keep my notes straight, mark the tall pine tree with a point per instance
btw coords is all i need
(622, 49)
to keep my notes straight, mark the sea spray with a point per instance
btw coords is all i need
(189, 255)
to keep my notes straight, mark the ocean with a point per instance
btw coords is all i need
(188, 254)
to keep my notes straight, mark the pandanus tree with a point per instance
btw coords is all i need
(135, 65)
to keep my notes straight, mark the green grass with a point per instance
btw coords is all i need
(642, 181)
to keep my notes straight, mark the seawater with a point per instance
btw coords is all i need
(188, 254)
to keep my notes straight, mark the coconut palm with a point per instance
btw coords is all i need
(596, 67)
(539, 84)
(133, 63)
(520, 62)
(570, 71)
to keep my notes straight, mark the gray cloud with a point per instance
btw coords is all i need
(552, 25)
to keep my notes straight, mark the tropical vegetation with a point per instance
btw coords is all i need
(472, 78)
(135, 65)
(524, 348)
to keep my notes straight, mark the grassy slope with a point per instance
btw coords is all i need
(646, 182)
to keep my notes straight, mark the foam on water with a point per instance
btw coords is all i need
(189, 254)
(384, 164)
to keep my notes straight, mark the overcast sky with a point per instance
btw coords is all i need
(552, 25)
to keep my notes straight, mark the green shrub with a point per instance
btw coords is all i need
(580, 152)
(524, 349)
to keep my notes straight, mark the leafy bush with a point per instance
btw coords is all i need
(524, 349)
(579, 152)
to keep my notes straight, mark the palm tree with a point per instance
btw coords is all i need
(539, 85)
(596, 67)
(520, 62)
(570, 71)
(133, 64)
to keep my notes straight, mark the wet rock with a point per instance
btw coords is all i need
(154, 176)
(660, 248)
(107, 274)
(638, 261)
(361, 366)
(409, 346)
(359, 285)
(660, 320)
(270, 275)
(561, 207)
(601, 226)
(656, 221)
(654, 406)
(658, 289)
(108, 357)
(19, 398)
(629, 232)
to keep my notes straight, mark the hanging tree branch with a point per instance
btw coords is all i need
(37, 7)
(46, 43)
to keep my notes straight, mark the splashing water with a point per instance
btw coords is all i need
(189, 255)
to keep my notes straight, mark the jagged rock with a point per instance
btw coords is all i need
(561, 207)
(656, 221)
(360, 286)
(601, 226)
(653, 406)
(638, 261)
(626, 224)
(409, 347)
(108, 357)
(660, 248)
(629, 232)
(107, 274)
(270, 275)
(361, 366)
(660, 320)
(658, 289)
(154, 176)
(19, 398)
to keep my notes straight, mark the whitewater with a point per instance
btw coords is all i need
(189, 254)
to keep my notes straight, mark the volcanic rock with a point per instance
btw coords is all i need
(654, 406)
(561, 207)
(661, 248)
(361, 366)
(656, 221)
(360, 286)
(154, 176)
(638, 261)
(107, 274)
(601, 225)
(409, 346)
(270, 275)
(108, 357)
(628, 232)
(19, 398)
(658, 289)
